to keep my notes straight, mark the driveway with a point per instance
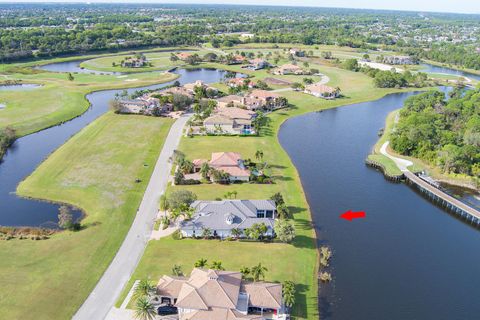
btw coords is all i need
(108, 289)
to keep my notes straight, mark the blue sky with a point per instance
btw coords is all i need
(462, 6)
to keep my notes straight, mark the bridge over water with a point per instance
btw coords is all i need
(433, 192)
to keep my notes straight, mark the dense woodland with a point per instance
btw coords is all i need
(38, 30)
(443, 132)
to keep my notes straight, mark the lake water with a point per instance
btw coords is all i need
(436, 69)
(72, 66)
(28, 152)
(19, 87)
(408, 259)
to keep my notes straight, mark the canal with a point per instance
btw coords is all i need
(408, 259)
(29, 151)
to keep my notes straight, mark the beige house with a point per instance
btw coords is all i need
(183, 55)
(240, 82)
(199, 83)
(228, 162)
(322, 91)
(297, 52)
(289, 69)
(221, 295)
(230, 121)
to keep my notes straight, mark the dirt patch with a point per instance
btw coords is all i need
(277, 82)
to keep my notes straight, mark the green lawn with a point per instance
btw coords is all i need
(96, 171)
(298, 261)
(58, 99)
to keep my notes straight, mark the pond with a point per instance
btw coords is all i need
(28, 152)
(18, 86)
(408, 259)
(444, 70)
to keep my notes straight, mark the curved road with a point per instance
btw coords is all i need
(402, 164)
(111, 284)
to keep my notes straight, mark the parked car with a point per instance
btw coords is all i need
(167, 310)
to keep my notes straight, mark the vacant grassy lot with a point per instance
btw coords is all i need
(59, 99)
(297, 261)
(96, 171)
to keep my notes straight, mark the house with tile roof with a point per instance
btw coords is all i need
(230, 120)
(257, 64)
(289, 69)
(322, 91)
(224, 215)
(222, 295)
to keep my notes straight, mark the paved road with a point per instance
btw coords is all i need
(402, 164)
(107, 290)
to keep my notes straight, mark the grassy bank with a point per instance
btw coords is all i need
(388, 165)
(419, 165)
(96, 171)
(58, 99)
(159, 60)
(296, 261)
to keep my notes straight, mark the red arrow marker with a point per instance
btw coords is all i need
(350, 215)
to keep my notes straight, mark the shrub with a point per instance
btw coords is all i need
(181, 197)
(177, 235)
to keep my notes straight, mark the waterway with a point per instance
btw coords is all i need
(430, 68)
(408, 259)
(28, 152)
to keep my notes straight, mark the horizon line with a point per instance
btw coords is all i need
(129, 2)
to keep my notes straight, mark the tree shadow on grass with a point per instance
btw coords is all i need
(301, 302)
(295, 210)
(281, 178)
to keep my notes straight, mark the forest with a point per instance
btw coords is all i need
(38, 30)
(443, 132)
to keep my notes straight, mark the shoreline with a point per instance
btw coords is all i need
(418, 164)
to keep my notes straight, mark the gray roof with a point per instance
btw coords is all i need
(241, 213)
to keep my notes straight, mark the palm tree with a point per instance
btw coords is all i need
(227, 195)
(144, 310)
(258, 272)
(236, 233)
(259, 155)
(143, 289)
(217, 265)
(206, 233)
(205, 170)
(201, 263)
(177, 270)
(289, 293)
(234, 193)
(245, 271)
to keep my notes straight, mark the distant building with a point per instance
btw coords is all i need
(257, 64)
(322, 91)
(134, 62)
(183, 55)
(398, 60)
(240, 82)
(297, 52)
(289, 69)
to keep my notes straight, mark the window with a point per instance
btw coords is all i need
(260, 213)
(269, 214)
